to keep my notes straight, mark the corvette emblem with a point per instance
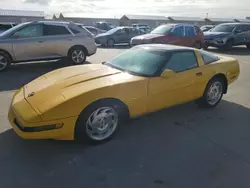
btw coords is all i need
(31, 94)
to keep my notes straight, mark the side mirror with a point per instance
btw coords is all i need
(168, 73)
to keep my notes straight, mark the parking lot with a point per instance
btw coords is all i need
(183, 146)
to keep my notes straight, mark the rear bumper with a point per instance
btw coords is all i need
(62, 129)
(92, 48)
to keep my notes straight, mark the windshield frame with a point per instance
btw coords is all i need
(171, 28)
(158, 71)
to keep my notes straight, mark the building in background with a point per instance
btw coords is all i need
(188, 20)
(151, 21)
(18, 16)
(87, 19)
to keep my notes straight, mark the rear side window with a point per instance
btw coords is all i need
(55, 30)
(74, 31)
(189, 31)
(179, 31)
(208, 57)
(182, 61)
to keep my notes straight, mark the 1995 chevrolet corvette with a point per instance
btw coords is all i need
(90, 101)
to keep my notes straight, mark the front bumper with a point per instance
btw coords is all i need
(27, 124)
(215, 43)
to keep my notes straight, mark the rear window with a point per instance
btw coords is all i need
(208, 57)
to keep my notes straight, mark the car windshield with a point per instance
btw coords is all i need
(12, 29)
(163, 29)
(223, 28)
(139, 61)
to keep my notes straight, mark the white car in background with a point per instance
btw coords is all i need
(45, 40)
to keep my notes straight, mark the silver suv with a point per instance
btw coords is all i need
(45, 40)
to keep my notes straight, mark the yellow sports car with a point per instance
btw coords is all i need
(90, 101)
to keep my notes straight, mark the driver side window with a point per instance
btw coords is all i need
(182, 61)
(30, 31)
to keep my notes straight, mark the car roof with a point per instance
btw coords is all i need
(164, 47)
(239, 23)
(179, 24)
(53, 22)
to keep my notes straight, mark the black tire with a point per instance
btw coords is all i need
(75, 57)
(205, 47)
(197, 45)
(5, 61)
(203, 102)
(82, 129)
(110, 43)
(248, 46)
(229, 45)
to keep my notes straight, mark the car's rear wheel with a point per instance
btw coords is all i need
(5, 61)
(78, 55)
(110, 43)
(99, 122)
(197, 45)
(212, 94)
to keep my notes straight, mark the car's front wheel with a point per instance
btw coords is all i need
(78, 55)
(4, 61)
(212, 94)
(110, 43)
(99, 122)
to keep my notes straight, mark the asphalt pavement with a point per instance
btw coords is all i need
(183, 146)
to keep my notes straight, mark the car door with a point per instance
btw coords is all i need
(58, 40)
(189, 38)
(180, 88)
(121, 36)
(28, 42)
(240, 35)
(175, 37)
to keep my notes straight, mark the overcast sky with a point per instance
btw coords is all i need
(215, 8)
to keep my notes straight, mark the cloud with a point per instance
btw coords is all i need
(215, 8)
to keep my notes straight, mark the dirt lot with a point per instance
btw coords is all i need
(183, 146)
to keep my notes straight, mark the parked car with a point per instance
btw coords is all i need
(95, 31)
(143, 27)
(141, 80)
(228, 35)
(106, 26)
(117, 35)
(176, 34)
(4, 26)
(207, 27)
(45, 40)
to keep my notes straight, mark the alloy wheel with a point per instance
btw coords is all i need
(214, 93)
(102, 123)
(3, 62)
(78, 56)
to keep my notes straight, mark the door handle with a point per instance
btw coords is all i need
(199, 74)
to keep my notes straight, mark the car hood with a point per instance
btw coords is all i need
(213, 35)
(147, 36)
(48, 90)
